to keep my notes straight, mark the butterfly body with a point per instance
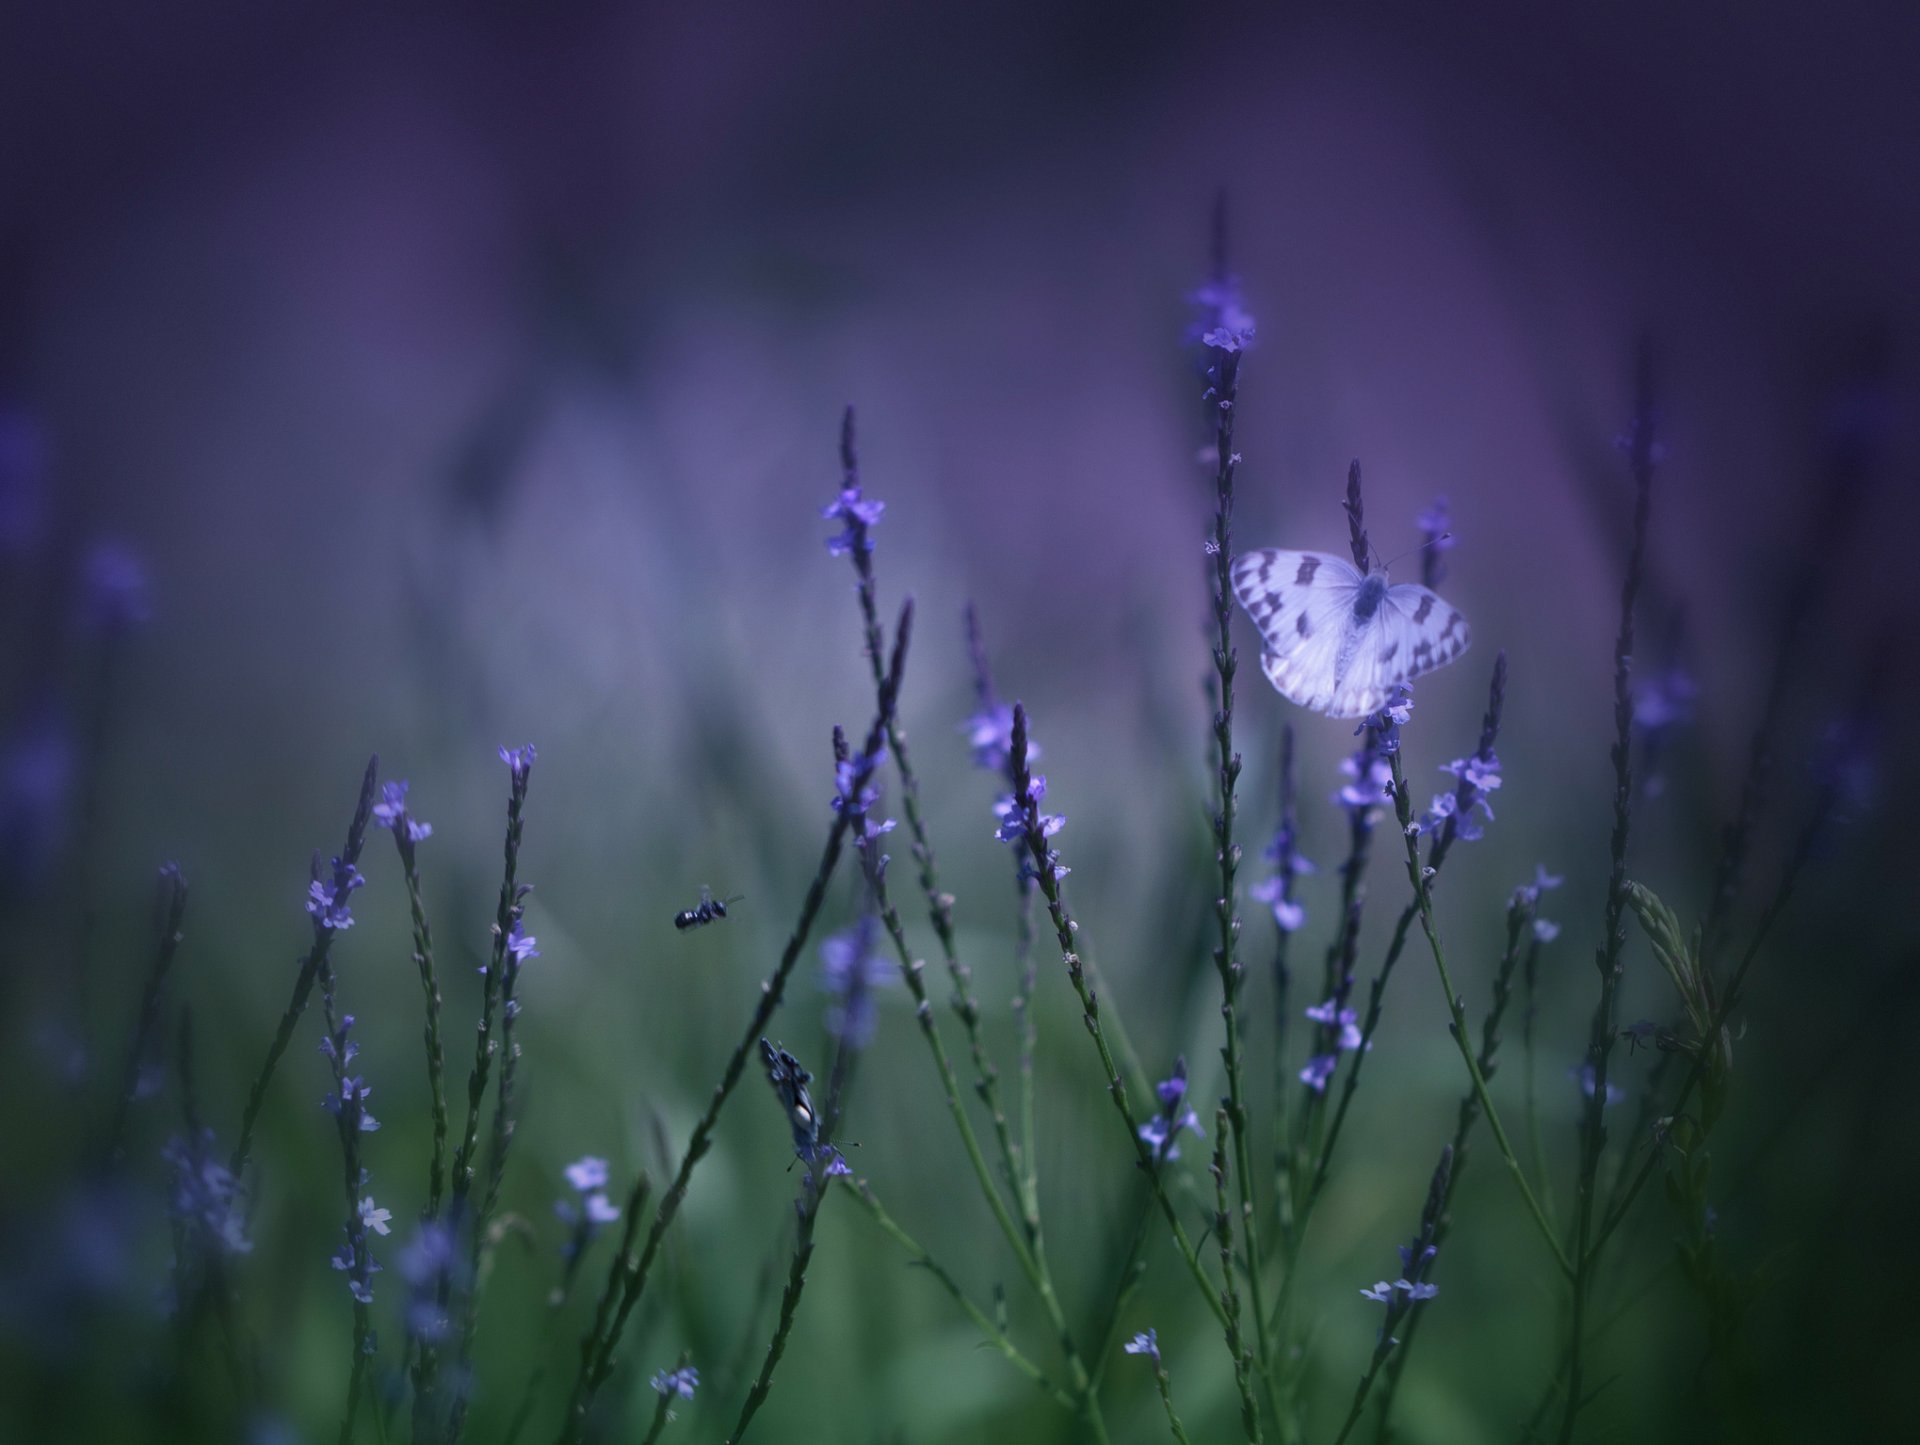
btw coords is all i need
(1336, 640)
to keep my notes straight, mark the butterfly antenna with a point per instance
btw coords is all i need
(1430, 542)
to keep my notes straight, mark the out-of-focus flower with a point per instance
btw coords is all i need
(859, 514)
(1145, 1343)
(682, 1382)
(113, 583)
(851, 968)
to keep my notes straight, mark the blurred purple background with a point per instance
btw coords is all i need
(468, 379)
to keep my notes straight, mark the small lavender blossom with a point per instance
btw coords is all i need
(359, 1266)
(1225, 322)
(1435, 525)
(204, 1193)
(1368, 777)
(1338, 1019)
(519, 760)
(1585, 1075)
(1288, 915)
(1319, 1069)
(851, 968)
(990, 735)
(1145, 1343)
(587, 1173)
(1013, 815)
(859, 514)
(1545, 930)
(391, 811)
(1476, 777)
(520, 944)
(429, 1259)
(328, 902)
(1160, 1132)
(114, 585)
(374, 1218)
(682, 1382)
(1400, 1295)
(855, 793)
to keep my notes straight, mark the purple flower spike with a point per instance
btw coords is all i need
(520, 760)
(1160, 1132)
(682, 1382)
(859, 514)
(391, 811)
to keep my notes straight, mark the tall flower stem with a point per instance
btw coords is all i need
(1226, 378)
(430, 989)
(169, 912)
(348, 1116)
(1520, 914)
(596, 1362)
(1593, 1131)
(310, 966)
(939, 903)
(813, 1194)
(1229, 1292)
(1457, 1019)
(1065, 928)
(994, 1334)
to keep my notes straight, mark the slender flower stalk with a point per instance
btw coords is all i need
(994, 1333)
(392, 814)
(1229, 1291)
(858, 515)
(1642, 455)
(310, 966)
(1148, 1344)
(1445, 826)
(823, 1164)
(1405, 1296)
(1226, 341)
(1025, 822)
(1457, 1018)
(1522, 910)
(348, 1105)
(678, 1383)
(169, 910)
(596, 1353)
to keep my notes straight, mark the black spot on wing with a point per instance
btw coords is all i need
(1308, 566)
(1426, 606)
(1301, 625)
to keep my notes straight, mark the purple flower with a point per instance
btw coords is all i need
(682, 1382)
(1477, 776)
(391, 811)
(36, 778)
(837, 1164)
(1287, 914)
(1545, 929)
(1381, 1292)
(855, 793)
(1368, 777)
(851, 968)
(1319, 1069)
(356, 1261)
(373, 1218)
(328, 903)
(114, 583)
(429, 1259)
(1225, 322)
(520, 760)
(1339, 1020)
(520, 944)
(1145, 1343)
(1160, 1132)
(351, 1094)
(1585, 1075)
(1664, 700)
(587, 1173)
(859, 515)
(204, 1193)
(990, 735)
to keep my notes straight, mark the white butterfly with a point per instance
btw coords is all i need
(1338, 642)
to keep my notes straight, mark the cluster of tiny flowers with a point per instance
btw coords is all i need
(354, 1258)
(428, 1259)
(990, 735)
(1146, 1343)
(330, 903)
(1662, 705)
(1477, 776)
(351, 1092)
(855, 793)
(588, 1176)
(1628, 439)
(1368, 775)
(851, 968)
(858, 514)
(203, 1194)
(520, 760)
(1544, 929)
(1288, 863)
(520, 943)
(1161, 1131)
(1226, 322)
(1018, 817)
(1385, 725)
(682, 1382)
(391, 812)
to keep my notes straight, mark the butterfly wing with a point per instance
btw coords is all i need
(1302, 602)
(1415, 630)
